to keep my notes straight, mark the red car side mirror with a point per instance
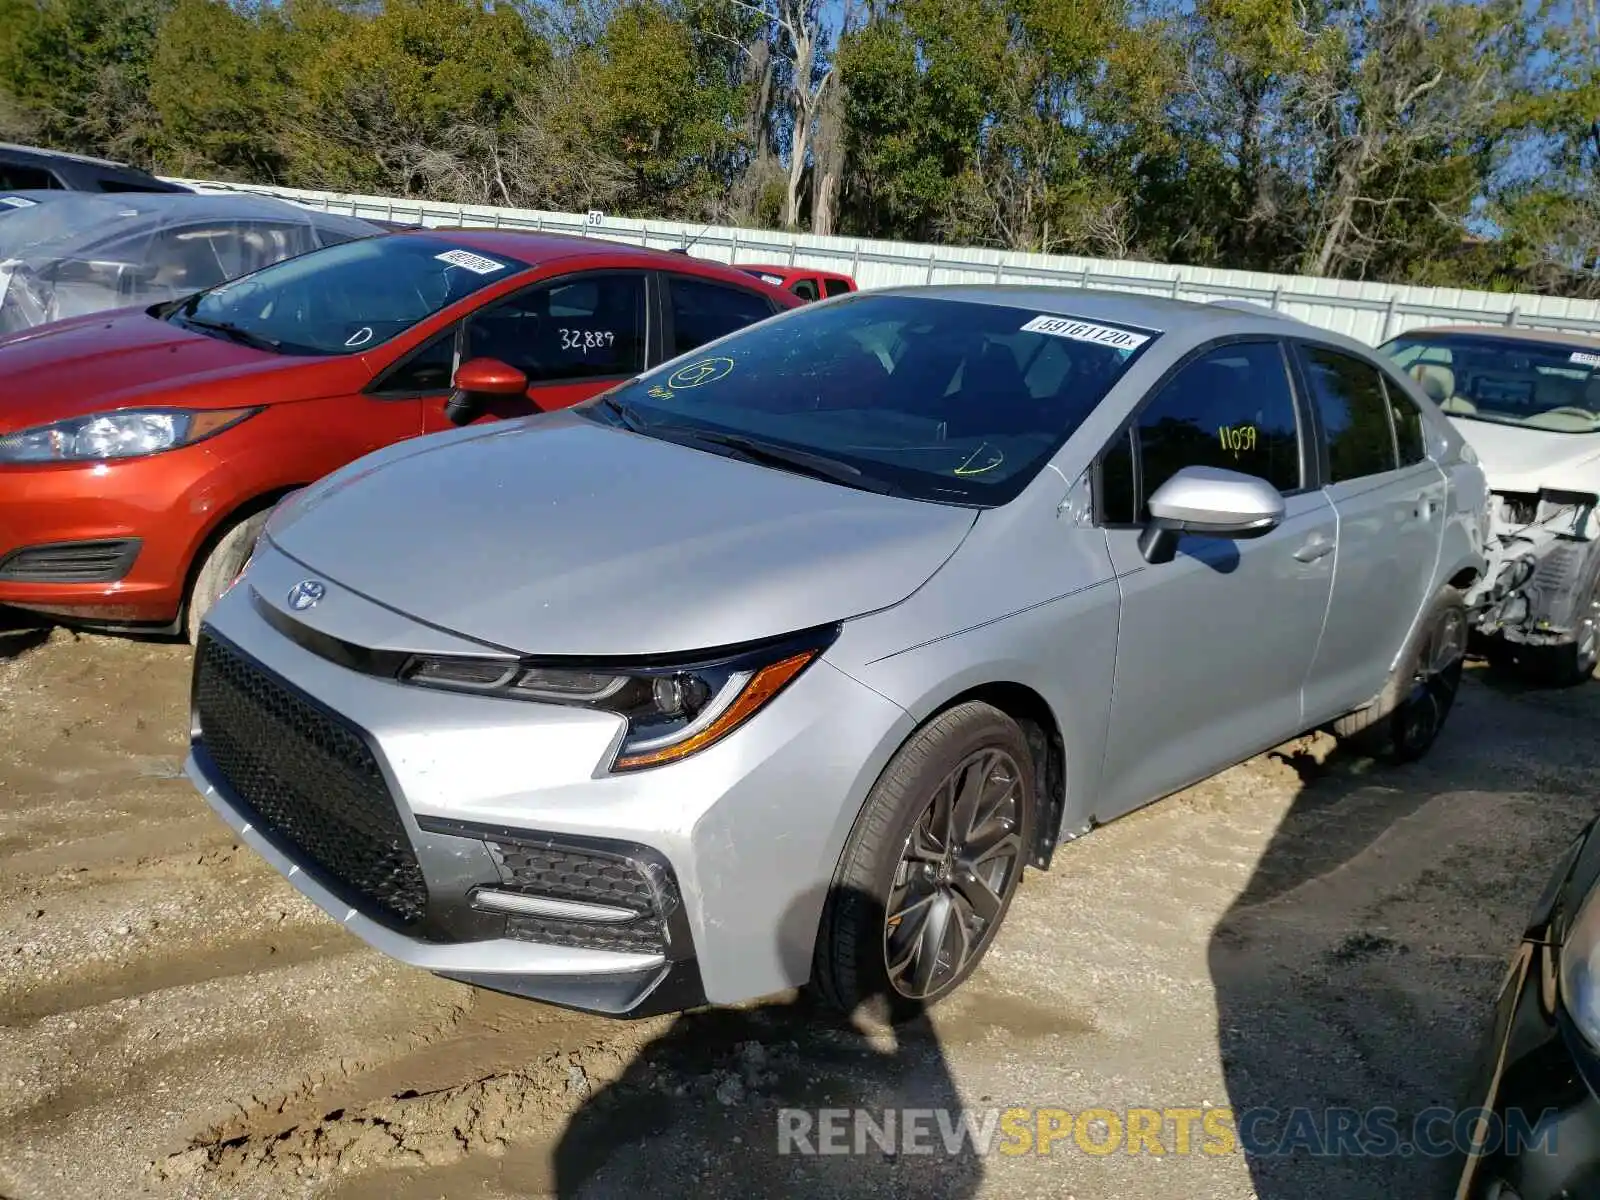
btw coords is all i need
(490, 377)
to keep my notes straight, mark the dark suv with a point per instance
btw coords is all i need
(30, 168)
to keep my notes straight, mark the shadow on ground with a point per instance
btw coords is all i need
(1328, 960)
(20, 632)
(756, 1074)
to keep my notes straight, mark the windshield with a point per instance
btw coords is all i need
(1509, 381)
(346, 298)
(35, 224)
(937, 399)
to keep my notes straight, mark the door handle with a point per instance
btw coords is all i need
(1317, 547)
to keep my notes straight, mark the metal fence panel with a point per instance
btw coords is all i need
(1369, 311)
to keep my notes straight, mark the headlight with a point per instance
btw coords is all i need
(1580, 969)
(129, 433)
(672, 710)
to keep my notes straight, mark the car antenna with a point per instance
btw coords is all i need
(684, 249)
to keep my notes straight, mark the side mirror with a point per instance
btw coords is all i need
(490, 377)
(1209, 502)
(479, 377)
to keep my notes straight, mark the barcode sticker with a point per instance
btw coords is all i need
(475, 263)
(1086, 331)
(1588, 360)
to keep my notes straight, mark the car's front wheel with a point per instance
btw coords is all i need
(930, 867)
(220, 568)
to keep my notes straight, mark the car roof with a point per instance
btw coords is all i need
(1197, 320)
(536, 249)
(168, 206)
(1550, 337)
(787, 271)
(67, 155)
(73, 221)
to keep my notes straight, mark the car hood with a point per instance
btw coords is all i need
(117, 359)
(557, 535)
(1517, 459)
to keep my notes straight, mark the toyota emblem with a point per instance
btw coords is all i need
(306, 594)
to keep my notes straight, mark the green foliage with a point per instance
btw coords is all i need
(219, 85)
(77, 71)
(1329, 136)
(670, 112)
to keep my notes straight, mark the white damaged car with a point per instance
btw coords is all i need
(1528, 403)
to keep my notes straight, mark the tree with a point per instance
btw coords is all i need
(379, 96)
(799, 43)
(76, 73)
(671, 111)
(1406, 103)
(1546, 204)
(219, 85)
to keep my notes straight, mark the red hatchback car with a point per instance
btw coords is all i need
(141, 450)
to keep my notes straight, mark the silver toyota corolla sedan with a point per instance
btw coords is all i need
(779, 663)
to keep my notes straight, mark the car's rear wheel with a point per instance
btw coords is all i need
(930, 868)
(220, 568)
(1407, 721)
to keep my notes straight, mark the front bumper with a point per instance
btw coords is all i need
(620, 984)
(428, 799)
(107, 542)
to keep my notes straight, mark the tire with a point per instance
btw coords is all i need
(1411, 713)
(900, 851)
(221, 567)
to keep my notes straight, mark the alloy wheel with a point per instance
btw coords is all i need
(957, 870)
(1433, 689)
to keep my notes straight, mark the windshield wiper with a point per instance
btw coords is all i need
(800, 461)
(615, 407)
(237, 333)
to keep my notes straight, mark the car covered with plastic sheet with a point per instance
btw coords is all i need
(82, 253)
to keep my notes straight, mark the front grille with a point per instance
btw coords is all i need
(565, 873)
(311, 782)
(71, 562)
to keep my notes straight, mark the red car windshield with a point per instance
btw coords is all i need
(344, 299)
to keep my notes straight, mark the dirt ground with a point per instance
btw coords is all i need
(176, 1021)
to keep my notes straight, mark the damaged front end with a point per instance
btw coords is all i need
(1537, 606)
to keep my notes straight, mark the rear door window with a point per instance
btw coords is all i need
(835, 287)
(1354, 410)
(703, 311)
(1408, 433)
